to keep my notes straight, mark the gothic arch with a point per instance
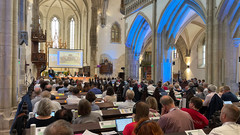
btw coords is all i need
(229, 11)
(174, 17)
(140, 27)
(175, 12)
(69, 30)
(50, 26)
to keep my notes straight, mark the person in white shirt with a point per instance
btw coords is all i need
(46, 94)
(61, 74)
(110, 97)
(229, 115)
(150, 87)
(128, 103)
(73, 99)
(205, 91)
(211, 90)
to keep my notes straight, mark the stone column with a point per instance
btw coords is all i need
(159, 57)
(132, 65)
(127, 63)
(222, 55)
(22, 50)
(8, 58)
(93, 38)
(154, 44)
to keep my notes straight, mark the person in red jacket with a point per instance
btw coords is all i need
(199, 120)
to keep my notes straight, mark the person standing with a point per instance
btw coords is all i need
(51, 73)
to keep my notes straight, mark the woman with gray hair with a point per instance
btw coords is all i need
(86, 116)
(212, 91)
(44, 117)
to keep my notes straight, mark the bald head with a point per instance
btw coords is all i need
(166, 101)
(37, 91)
(229, 113)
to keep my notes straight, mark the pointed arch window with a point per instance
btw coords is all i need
(72, 33)
(115, 33)
(39, 44)
(202, 54)
(174, 54)
(55, 31)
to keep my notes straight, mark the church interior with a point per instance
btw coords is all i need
(96, 40)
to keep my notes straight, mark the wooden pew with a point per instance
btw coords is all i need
(101, 105)
(64, 102)
(60, 96)
(93, 127)
(80, 128)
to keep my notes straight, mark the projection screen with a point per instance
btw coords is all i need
(65, 58)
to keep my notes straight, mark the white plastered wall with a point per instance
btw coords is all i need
(116, 51)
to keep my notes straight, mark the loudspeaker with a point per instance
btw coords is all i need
(173, 62)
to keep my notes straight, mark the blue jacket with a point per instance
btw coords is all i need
(229, 96)
(96, 90)
(62, 90)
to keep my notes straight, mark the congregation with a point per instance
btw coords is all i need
(178, 107)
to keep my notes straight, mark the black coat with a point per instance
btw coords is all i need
(215, 104)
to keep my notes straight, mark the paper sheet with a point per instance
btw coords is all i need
(125, 111)
(99, 95)
(107, 124)
(40, 130)
(117, 103)
(98, 111)
(87, 132)
(109, 133)
(195, 132)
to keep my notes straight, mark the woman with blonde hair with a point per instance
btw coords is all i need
(153, 107)
(220, 91)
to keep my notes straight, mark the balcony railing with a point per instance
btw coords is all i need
(132, 6)
(39, 58)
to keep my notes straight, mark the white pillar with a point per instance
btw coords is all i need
(8, 59)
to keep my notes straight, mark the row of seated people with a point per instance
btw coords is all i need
(129, 97)
(172, 119)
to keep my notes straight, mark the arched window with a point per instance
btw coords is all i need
(174, 54)
(115, 34)
(39, 44)
(72, 27)
(202, 54)
(55, 31)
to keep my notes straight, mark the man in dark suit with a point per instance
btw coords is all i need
(51, 72)
(228, 95)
